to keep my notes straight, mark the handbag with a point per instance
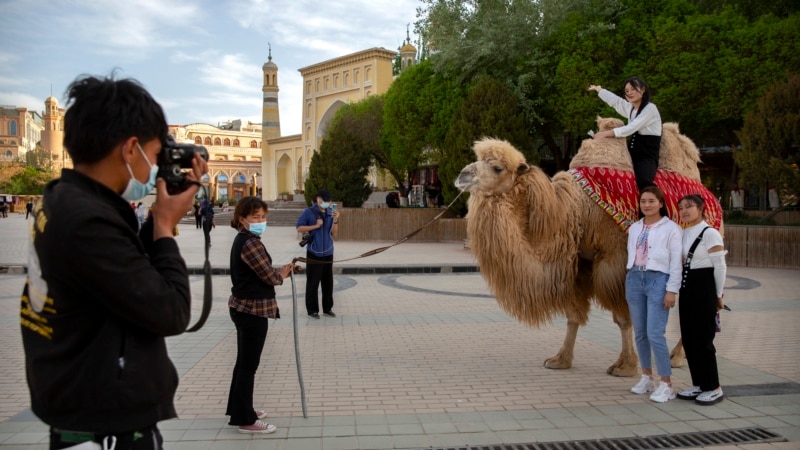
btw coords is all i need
(686, 272)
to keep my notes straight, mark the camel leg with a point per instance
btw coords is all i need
(627, 364)
(677, 358)
(563, 359)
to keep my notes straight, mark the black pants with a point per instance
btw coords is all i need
(145, 439)
(316, 274)
(198, 221)
(251, 333)
(697, 310)
(645, 171)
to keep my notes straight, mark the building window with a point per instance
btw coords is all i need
(207, 141)
(12, 128)
(9, 155)
(198, 140)
(253, 144)
(227, 142)
(217, 141)
(235, 142)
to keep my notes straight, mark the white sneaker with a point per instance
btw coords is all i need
(663, 393)
(710, 397)
(644, 385)
(690, 394)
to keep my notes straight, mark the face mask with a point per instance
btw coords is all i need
(135, 189)
(325, 205)
(258, 228)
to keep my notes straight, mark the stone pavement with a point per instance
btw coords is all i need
(420, 355)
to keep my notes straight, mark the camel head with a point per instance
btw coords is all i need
(498, 166)
(608, 123)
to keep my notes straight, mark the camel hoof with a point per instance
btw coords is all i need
(677, 362)
(556, 363)
(623, 371)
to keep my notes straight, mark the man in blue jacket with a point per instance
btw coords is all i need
(100, 296)
(322, 223)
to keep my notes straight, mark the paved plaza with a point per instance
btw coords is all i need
(420, 355)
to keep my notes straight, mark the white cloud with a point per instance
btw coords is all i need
(19, 99)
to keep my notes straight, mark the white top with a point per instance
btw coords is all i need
(647, 122)
(711, 238)
(663, 249)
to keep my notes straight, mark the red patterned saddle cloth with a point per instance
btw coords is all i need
(615, 191)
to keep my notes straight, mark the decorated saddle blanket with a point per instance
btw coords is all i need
(615, 191)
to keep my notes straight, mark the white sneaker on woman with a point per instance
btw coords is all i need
(663, 393)
(644, 385)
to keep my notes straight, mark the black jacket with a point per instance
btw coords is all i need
(95, 355)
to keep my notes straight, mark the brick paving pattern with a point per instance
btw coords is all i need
(430, 360)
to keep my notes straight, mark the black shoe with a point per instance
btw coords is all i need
(330, 314)
(314, 315)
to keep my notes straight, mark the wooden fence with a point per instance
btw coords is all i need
(748, 246)
(763, 246)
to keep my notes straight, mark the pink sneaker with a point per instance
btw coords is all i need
(258, 427)
(261, 414)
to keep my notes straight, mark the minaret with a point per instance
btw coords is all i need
(270, 115)
(408, 53)
(53, 133)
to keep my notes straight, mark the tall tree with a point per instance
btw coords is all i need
(343, 161)
(418, 109)
(770, 137)
(489, 110)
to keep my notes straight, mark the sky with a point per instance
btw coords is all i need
(200, 59)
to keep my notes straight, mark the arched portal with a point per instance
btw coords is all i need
(284, 174)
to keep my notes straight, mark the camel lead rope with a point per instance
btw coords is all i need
(382, 249)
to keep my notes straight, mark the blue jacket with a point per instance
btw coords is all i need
(322, 245)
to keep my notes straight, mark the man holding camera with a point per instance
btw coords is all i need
(100, 298)
(321, 222)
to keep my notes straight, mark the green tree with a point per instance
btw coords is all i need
(418, 109)
(344, 158)
(770, 152)
(489, 110)
(27, 181)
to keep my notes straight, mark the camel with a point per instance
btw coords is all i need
(550, 249)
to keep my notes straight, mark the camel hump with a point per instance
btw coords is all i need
(678, 153)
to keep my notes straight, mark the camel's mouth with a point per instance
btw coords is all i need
(465, 181)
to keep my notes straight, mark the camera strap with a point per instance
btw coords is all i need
(207, 299)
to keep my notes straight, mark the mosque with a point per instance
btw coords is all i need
(246, 158)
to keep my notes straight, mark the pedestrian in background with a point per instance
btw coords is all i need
(652, 282)
(701, 292)
(251, 305)
(322, 224)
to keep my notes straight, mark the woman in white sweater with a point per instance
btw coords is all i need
(652, 282)
(701, 297)
(644, 127)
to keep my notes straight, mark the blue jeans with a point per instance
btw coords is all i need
(644, 291)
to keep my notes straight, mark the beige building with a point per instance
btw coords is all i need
(21, 130)
(327, 87)
(234, 150)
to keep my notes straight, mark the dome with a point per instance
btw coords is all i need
(269, 65)
(50, 100)
(408, 48)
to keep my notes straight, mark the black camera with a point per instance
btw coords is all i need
(173, 158)
(307, 239)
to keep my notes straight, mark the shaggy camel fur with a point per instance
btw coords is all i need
(551, 249)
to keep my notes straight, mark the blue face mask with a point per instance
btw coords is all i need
(136, 189)
(325, 205)
(257, 228)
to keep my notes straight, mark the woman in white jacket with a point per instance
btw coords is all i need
(651, 286)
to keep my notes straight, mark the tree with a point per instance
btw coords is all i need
(490, 110)
(344, 158)
(418, 109)
(770, 137)
(26, 181)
